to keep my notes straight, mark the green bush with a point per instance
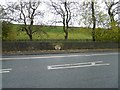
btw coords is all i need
(107, 34)
(8, 32)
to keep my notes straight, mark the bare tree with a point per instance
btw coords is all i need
(1, 11)
(112, 9)
(118, 10)
(31, 8)
(10, 12)
(89, 15)
(93, 16)
(24, 12)
(64, 9)
(94, 20)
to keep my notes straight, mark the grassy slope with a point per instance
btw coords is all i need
(54, 33)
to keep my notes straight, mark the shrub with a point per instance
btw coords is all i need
(7, 31)
(107, 34)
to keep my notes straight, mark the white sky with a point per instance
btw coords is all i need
(49, 16)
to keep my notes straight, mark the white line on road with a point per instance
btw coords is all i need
(62, 56)
(75, 64)
(5, 70)
(87, 64)
(79, 66)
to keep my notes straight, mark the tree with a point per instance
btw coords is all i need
(93, 16)
(24, 12)
(89, 15)
(1, 11)
(112, 10)
(64, 9)
(31, 8)
(9, 12)
(93, 19)
(7, 32)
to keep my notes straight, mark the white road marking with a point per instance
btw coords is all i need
(45, 57)
(5, 70)
(76, 65)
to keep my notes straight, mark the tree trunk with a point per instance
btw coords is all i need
(65, 29)
(94, 21)
(93, 35)
(66, 34)
(30, 37)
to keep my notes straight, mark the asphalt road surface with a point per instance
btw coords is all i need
(75, 70)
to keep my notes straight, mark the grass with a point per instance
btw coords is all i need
(47, 33)
(56, 33)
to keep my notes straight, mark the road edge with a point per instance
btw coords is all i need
(41, 52)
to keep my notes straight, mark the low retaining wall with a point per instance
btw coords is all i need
(41, 45)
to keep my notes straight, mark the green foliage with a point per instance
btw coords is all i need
(45, 33)
(56, 32)
(8, 32)
(80, 33)
(107, 34)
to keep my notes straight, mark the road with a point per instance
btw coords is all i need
(37, 71)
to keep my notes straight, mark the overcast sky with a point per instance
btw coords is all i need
(48, 17)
